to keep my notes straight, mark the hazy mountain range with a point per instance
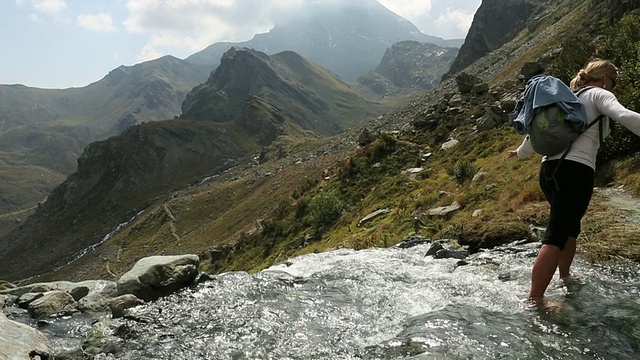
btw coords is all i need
(44, 131)
(254, 108)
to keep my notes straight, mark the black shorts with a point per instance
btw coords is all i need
(568, 193)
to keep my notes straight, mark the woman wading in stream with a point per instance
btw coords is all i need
(569, 190)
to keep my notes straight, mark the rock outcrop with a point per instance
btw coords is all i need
(156, 276)
(496, 22)
(19, 341)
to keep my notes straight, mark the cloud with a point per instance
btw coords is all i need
(408, 9)
(96, 22)
(191, 25)
(149, 53)
(49, 6)
(182, 27)
(454, 22)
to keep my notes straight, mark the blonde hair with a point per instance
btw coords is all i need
(595, 70)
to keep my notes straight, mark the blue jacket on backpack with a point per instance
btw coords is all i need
(543, 90)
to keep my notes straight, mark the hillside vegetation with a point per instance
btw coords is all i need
(318, 194)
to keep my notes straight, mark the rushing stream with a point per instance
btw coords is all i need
(382, 304)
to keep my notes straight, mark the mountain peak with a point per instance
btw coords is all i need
(349, 38)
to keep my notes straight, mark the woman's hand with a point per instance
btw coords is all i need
(511, 153)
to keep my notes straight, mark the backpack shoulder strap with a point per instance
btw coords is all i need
(582, 89)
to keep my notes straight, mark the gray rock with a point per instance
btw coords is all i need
(119, 304)
(79, 292)
(99, 297)
(7, 300)
(450, 254)
(52, 302)
(26, 299)
(373, 215)
(19, 341)
(4, 285)
(443, 211)
(434, 248)
(531, 69)
(102, 339)
(67, 286)
(466, 82)
(412, 241)
(156, 276)
(480, 88)
(487, 122)
(449, 144)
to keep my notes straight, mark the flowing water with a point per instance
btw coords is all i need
(384, 304)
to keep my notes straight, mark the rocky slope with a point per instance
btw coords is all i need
(251, 102)
(409, 65)
(44, 131)
(312, 96)
(442, 149)
(496, 23)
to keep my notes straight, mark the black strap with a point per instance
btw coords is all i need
(564, 155)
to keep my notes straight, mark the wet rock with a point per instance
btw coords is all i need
(7, 300)
(67, 286)
(50, 303)
(119, 304)
(450, 254)
(99, 297)
(461, 263)
(156, 276)
(19, 341)
(434, 248)
(102, 340)
(203, 277)
(26, 299)
(412, 241)
(79, 292)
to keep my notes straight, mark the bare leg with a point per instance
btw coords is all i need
(543, 270)
(566, 257)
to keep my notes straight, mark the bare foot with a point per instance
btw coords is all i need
(543, 304)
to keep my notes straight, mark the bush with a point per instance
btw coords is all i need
(622, 46)
(464, 170)
(326, 208)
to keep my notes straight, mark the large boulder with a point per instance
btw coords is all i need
(52, 302)
(156, 276)
(19, 341)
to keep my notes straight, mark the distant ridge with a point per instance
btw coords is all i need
(350, 38)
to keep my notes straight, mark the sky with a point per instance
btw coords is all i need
(73, 43)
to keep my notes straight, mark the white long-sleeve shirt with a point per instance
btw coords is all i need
(585, 148)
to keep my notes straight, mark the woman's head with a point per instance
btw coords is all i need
(597, 72)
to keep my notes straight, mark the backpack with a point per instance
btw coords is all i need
(551, 115)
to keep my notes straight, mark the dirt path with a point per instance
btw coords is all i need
(620, 201)
(14, 213)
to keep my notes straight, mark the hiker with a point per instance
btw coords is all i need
(569, 190)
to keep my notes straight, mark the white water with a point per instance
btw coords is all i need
(390, 304)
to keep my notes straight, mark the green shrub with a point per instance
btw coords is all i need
(622, 46)
(464, 170)
(326, 208)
